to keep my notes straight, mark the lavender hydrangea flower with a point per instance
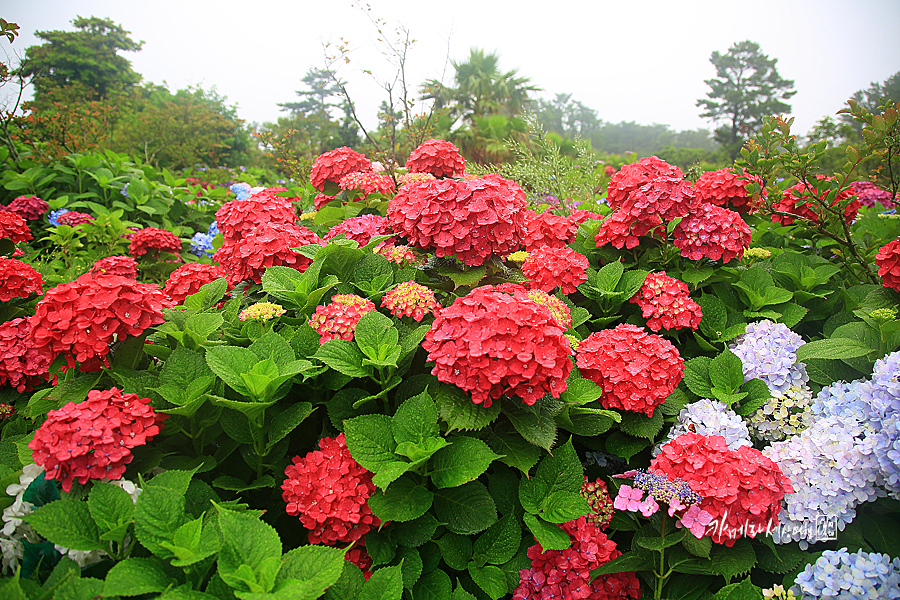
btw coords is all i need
(838, 574)
(768, 351)
(213, 230)
(710, 417)
(201, 244)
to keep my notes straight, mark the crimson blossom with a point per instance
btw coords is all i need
(888, 261)
(631, 177)
(188, 279)
(726, 189)
(18, 279)
(666, 303)
(73, 218)
(337, 320)
(14, 227)
(20, 361)
(551, 268)
(637, 370)
(264, 246)
(799, 198)
(437, 157)
(94, 438)
(81, 318)
(123, 266)
(328, 491)
(546, 229)
(237, 218)
(361, 228)
(332, 166)
(152, 238)
(28, 207)
(742, 489)
(367, 182)
(712, 232)
(496, 341)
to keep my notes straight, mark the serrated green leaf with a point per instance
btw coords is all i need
(698, 547)
(697, 275)
(490, 579)
(726, 372)
(537, 426)
(734, 561)
(562, 470)
(757, 394)
(778, 558)
(390, 472)
(832, 348)
(67, 523)
(563, 506)
(791, 313)
(607, 278)
(403, 501)
(416, 420)
(84, 588)
(251, 552)
(385, 584)
(548, 535)
(228, 362)
(581, 391)
(883, 533)
(657, 543)
(371, 441)
(410, 566)
(345, 357)
(461, 462)
(499, 543)
(377, 337)
(288, 420)
(319, 567)
(631, 283)
(513, 449)
(460, 278)
(696, 376)
(136, 576)
(629, 561)
(456, 550)
(460, 413)
(640, 425)
(466, 509)
(434, 585)
(739, 591)
(626, 446)
(674, 403)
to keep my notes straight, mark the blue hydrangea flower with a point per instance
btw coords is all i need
(201, 244)
(213, 230)
(711, 417)
(241, 190)
(838, 574)
(124, 191)
(768, 351)
(54, 215)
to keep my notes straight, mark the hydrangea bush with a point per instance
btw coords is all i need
(437, 384)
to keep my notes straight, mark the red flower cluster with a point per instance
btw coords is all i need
(410, 299)
(868, 194)
(332, 166)
(237, 218)
(888, 261)
(631, 177)
(264, 246)
(619, 229)
(123, 266)
(724, 188)
(361, 228)
(666, 303)
(472, 219)
(18, 279)
(566, 574)
(637, 370)
(93, 439)
(188, 279)
(328, 490)
(14, 227)
(19, 360)
(713, 232)
(359, 556)
(598, 499)
(549, 268)
(579, 216)
(546, 229)
(438, 157)
(799, 200)
(401, 255)
(84, 316)
(321, 200)
(337, 319)
(367, 182)
(496, 341)
(73, 218)
(558, 309)
(742, 489)
(28, 207)
(152, 238)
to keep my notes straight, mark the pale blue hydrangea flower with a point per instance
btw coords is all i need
(241, 190)
(213, 230)
(710, 417)
(768, 351)
(201, 244)
(838, 574)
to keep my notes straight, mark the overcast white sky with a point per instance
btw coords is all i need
(630, 61)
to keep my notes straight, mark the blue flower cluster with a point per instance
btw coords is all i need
(661, 488)
(838, 574)
(54, 215)
(124, 191)
(768, 351)
(711, 417)
(241, 190)
(202, 243)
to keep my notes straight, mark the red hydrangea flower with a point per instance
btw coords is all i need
(868, 194)
(496, 341)
(235, 219)
(724, 188)
(621, 229)
(14, 227)
(410, 299)
(633, 176)
(888, 261)
(93, 439)
(637, 370)
(367, 182)
(20, 361)
(28, 207)
(400, 255)
(666, 303)
(337, 320)
(321, 200)
(598, 499)
(18, 279)
(662, 198)
(328, 491)
(712, 232)
(359, 556)
(579, 216)
(438, 157)
(332, 166)
(264, 246)
(151, 238)
(549, 268)
(81, 318)
(73, 218)
(799, 200)
(566, 574)
(742, 489)
(361, 228)
(188, 279)
(546, 229)
(558, 309)
(123, 266)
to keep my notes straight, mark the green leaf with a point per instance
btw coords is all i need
(158, 514)
(715, 316)
(629, 561)
(657, 543)
(883, 533)
(581, 391)
(461, 462)
(696, 376)
(562, 471)
(726, 372)
(456, 550)
(434, 585)
(587, 421)
(67, 523)
(385, 584)
(536, 425)
(228, 362)
(513, 449)
(499, 543)
(757, 394)
(548, 535)
(319, 567)
(607, 278)
(410, 566)
(466, 509)
(389, 472)
(371, 441)
(348, 585)
(84, 588)
(110, 507)
(792, 313)
(832, 348)
(460, 413)
(674, 403)
(402, 501)
(631, 283)
(460, 278)
(378, 339)
(640, 425)
(626, 446)
(416, 532)
(251, 551)
(739, 591)
(734, 561)
(287, 421)
(136, 576)
(697, 547)
(208, 295)
(416, 420)
(696, 276)
(345, 357)
(490, 579)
